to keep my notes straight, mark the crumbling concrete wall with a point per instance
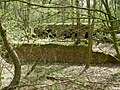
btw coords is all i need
(28, 53)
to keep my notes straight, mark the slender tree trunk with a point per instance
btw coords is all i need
(112, 26)
(77, 15)
(72, 15)
(15, 59)
(0, 72)
(89, 36)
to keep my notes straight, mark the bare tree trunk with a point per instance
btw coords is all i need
(0, 72)
(62, 12)
(16, 61)
(72, 15)
(89, 35)
(77, 15)
(112, 26)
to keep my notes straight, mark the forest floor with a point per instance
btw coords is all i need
(65, 77)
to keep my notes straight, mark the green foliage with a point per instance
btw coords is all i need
(1, 77)
(22, 19)
(54, 88)
(48, 70)
(117, 73)
(38, 70)
(81, 79)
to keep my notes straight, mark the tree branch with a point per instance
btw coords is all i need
(15, 59)
(68, 6)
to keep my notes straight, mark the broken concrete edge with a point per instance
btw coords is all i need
(53, 53)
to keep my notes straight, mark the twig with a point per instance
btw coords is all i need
(32, 68)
